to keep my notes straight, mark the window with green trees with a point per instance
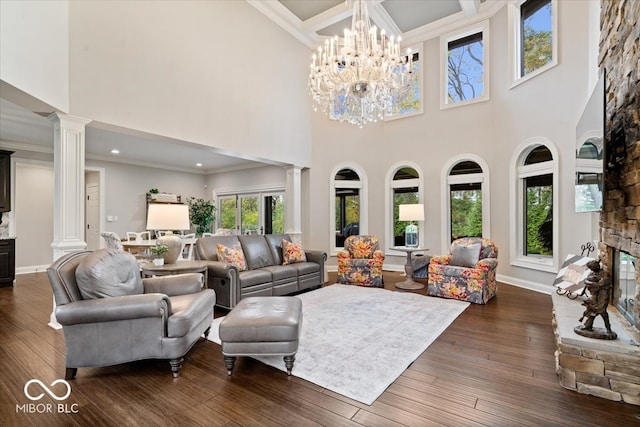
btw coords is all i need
(465, 200)
(347, 186)
(536, 36)
(405, 191)
(538, 204)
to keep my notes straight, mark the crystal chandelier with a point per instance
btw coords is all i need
(358, 80)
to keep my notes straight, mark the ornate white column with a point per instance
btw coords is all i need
(68, 187)
(293, 204)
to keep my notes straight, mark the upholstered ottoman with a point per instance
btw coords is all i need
(262, 326)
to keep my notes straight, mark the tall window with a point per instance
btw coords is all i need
(536, 219)
(403, 181)
(533, 28)
(347, 205)
(466, 208)
(465, 65)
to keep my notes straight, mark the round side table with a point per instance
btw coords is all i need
(150, 269)
(409, 283)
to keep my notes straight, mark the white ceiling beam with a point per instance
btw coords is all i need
(279, 14)
(327, 18)
(383, 20)
(470, 7)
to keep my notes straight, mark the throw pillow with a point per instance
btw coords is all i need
(232, 255)
(465, 256)
(292, 253)
(108, 273)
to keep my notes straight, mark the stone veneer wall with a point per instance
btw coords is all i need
(611, 369)
(620, 57)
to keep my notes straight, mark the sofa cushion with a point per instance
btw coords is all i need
(275, 244)
(292, 253)
(108, 273)
(257, 251)
(232, 255)
(465, 256)
(255, 277)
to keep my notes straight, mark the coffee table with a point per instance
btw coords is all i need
(150, 269)
(409, 283)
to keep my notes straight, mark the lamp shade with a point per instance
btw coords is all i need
(166, 216)
(413, 212)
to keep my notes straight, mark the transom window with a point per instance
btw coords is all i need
(465, 65)
(533, 35)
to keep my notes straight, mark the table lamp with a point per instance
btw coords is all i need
(411, 213)
(168, 216)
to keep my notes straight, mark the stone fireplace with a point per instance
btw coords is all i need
(611, 369)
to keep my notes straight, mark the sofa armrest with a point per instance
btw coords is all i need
(440, 259)
(487, 264)
(319, 257)
(178, 284)
(114, 308)
(222, 269)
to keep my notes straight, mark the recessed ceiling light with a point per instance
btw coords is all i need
(115, 151)
(199, 165)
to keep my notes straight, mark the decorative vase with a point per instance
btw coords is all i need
(158, 262)
(175, 247)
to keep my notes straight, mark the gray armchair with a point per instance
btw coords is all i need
(110, 315)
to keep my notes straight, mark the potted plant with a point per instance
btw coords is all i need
(158, 251)
(201, 214)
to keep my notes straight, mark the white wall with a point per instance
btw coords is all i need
(33, 213)
(548, 105)
(34, 49)
(255, 179)
(127, 186)
(218, 73)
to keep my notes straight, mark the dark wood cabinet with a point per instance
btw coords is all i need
(5, 180)
(7, 262)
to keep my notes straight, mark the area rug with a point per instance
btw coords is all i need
(356, 341)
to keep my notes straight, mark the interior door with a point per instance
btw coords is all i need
(92, 214)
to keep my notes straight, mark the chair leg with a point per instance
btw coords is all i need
(70, 373)
(288, 362)
(176, 365)
(229, 361)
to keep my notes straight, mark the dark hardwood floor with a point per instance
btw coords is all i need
(494, 366)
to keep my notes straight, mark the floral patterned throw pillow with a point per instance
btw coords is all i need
(292, 253)
(232, 255)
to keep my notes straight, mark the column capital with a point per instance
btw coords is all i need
(67, 120)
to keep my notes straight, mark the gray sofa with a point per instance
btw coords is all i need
(265, 276)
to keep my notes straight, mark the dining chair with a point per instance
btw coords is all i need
(188, 240)
(142, 235)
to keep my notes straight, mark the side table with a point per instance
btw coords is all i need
(150, 269)
(409, 283)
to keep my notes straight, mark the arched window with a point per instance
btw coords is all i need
(347, 205)
(534, 241)
(466, 197)
(404, 187)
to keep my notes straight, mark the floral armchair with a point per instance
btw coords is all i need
(360, 263)
(468, 273)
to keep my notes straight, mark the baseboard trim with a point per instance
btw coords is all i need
(32, 269)
(526, 284)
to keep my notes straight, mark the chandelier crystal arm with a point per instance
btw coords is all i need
(357, 80)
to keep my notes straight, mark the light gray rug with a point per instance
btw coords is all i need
(356, 341)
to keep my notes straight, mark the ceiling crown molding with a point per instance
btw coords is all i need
(279, 14)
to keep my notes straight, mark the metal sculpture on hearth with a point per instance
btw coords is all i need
(599, 288)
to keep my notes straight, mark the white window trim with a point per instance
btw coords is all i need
(518, 171)
(483, 27)
(445, 202)
(364, 203)
(388, 203)
(514, 42)
(414, 49)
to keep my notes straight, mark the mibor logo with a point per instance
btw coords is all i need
(47, 390)
(58, 390)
